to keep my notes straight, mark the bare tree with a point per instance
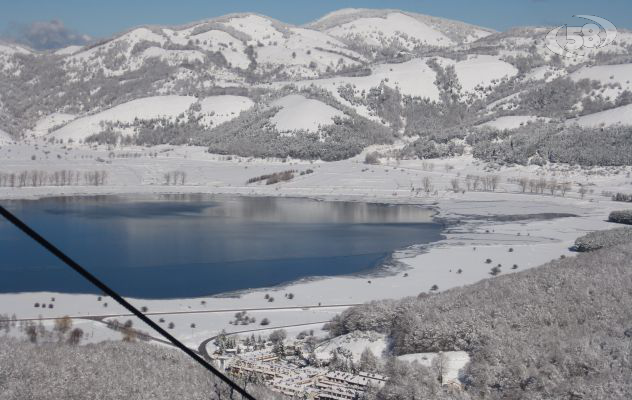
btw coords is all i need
(541, 185)
(494, 181)
(477, 183)
(468, 182)
(582, 191)
(552, 186)
(565, 187)
(523, 182)
(426, 184)
(455, 185)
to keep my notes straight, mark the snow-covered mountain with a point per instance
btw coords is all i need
(387, 72)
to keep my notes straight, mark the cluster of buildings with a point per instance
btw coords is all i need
(291, 376)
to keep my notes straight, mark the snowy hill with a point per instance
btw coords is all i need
(394, 74)
(301, 114)
(231, 44)
(385, 27)
(479, 71)
(212, 111)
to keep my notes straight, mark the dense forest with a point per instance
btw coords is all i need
(108, 370)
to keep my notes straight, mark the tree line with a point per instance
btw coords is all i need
(36, 178)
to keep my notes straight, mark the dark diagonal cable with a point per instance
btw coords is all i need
(103, 287)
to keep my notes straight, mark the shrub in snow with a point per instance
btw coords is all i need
(371, 158)
(621, 217)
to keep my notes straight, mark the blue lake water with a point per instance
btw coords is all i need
(197, 245)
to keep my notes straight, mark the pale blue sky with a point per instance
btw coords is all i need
(104, 18)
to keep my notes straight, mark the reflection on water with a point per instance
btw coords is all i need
(184, 246)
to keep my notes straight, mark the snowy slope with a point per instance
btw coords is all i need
(143, 109)
(455, 362)
(300, 113)
(412, 78)
(242, 40)
(406, 28)
(545, 73)
(355, 342)
(43, 125)
(510, 122)
(480, 71)
(219, 109)
(394, 26)
(415, 78)
(12, 48)
(68, 50)
(219, 41)
(615, 116)
(213, 111)
(7, 53)
(616, 78)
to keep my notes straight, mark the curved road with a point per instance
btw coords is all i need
(320, 307)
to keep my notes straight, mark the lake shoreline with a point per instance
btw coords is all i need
(133, 207)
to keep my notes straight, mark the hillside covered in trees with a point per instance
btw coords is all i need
(108, 370)
(559, 331)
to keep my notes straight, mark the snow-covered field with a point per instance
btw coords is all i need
(480, 227)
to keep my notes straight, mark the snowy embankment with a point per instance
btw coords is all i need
(506, 226)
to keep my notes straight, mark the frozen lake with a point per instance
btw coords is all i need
(176, 246)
